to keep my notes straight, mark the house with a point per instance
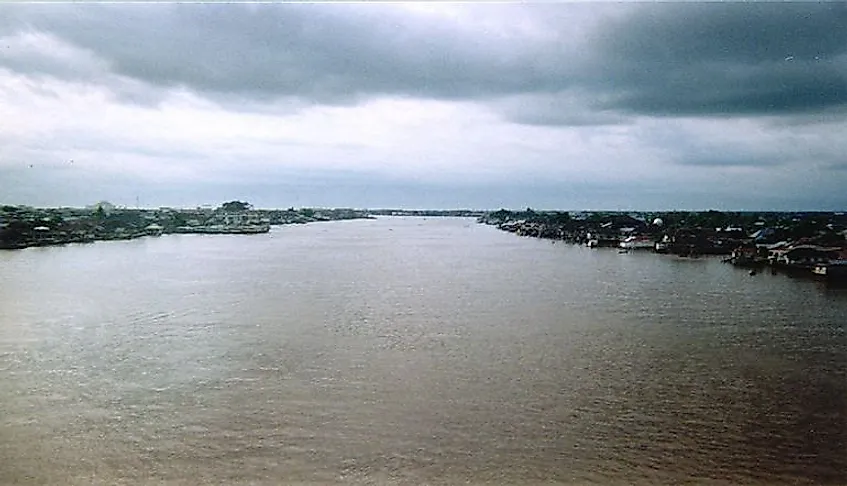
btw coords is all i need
(807, 255)
(154, 229)
(744, 254)
(764, 235)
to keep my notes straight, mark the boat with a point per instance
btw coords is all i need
(832, 271)
(637, 243)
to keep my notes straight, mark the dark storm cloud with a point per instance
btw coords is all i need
(713, 59)
(726, 58)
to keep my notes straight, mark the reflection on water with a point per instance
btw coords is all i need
(412, 351)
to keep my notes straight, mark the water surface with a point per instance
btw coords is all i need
(412, 351)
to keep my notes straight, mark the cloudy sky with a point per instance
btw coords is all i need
(586, 105)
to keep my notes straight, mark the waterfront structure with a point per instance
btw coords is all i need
(799, 243)
(154, 229)
(102, 206)
(638, 243)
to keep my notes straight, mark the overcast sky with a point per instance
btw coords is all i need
(738, 106)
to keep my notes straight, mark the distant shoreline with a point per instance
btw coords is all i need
(26, 227)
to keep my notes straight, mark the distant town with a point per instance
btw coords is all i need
(24, 226)
(800, 243)
(804, 242)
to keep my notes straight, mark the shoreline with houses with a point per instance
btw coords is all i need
(23, 227)
(800, 243)
(808, 244)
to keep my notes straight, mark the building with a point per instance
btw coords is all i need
(104, 206)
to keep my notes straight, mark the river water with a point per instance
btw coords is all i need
(412, 351)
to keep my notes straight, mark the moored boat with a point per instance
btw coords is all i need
(833, 270)
(637, 243)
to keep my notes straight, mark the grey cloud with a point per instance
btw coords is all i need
(727, 160)
(20, 58)
(745, 33)
(41, 55)
(327, 53)
(336, 54)
(727, 59)
(770, 154)
(569, 108)
(712, 59)
(719, 146)
(842, 167)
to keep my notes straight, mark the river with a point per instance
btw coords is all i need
(412, 351)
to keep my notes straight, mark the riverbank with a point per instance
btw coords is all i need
(24, 227)
(802, 244)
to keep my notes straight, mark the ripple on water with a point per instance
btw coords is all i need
(439, 352)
